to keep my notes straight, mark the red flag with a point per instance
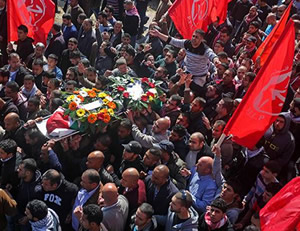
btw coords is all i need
(37, 15)
(189, 15)
(282, 212)
(265, 48)
(265, 98)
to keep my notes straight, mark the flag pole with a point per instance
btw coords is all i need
(221, 139)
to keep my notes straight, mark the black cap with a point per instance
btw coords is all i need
(166, 145)
(134, 147)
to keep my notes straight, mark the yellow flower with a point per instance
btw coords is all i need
(102, 95)
(111, 111)
(70, 98)
(105, 101)
(104, 110)
(150, 98)
(80, 112)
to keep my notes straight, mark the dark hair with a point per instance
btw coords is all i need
(49, 75)
(29, 77)
(147, 209)
(53, 176)
(228, 104)
(251, 76)
(273, 187)
(223, 55)
(220, 42)
(220, 204)
(71, 82)
(126, 123)
(82, 16)
(57, 27)
(176, 98)
(155, 152)
(103, 14)
(13, 86)
(9, 146)
(35, 100)
(33, 133)
(38, 209)
(185, 197)
(55, 82)
(29, 164)
(180, 130)
(104, 139)
(74, 54)
(74, 70)
(273, 166)
(73, 40)
(92, 69)
(67, 16)
(199, 31)
(256, 24)
(4, 72)
(201, 101)
(43, 113)
(23, 28)
(110, 8)
(92, 175)
(93, 213)
(53, 56)
(220, 123)
(236, 186)
(38, 62)
(56, 102)
(225, 31)
(56, 93)
(130, 51)
(126, 35)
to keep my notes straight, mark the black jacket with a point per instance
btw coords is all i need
(204, 227)
(19, 75)
(131, 24)
(25, 48)
(56, 46)
(9, 174)
(61, 199)
(7, 108)
(162, 200)
(27, 191)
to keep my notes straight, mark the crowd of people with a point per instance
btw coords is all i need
(158, 168)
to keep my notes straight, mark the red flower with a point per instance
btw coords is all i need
(126, 94)
(100, 116)
(145, 80)
(120, 88)
(152, 85)
(150, 94)
(144, 98)
(65, 117)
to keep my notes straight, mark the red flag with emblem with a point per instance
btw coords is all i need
(265, 98)
(282, 212)
(37, 15)
(189, 15)
(265, 48)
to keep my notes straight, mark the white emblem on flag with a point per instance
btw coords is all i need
(36, 9)
(199, 10)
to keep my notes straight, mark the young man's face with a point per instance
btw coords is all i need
(215, 214)
(28, 85)
(21, 35)
(4, 155)
(267, 174)
(31, 107)
(70, 88)
(52, 62)
(140, 218)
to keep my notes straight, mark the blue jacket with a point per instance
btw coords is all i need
(203, 190)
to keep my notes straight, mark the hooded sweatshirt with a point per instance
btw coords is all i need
(190, 224)
(280, 146)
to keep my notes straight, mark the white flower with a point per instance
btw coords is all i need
(83, 93)
(135, 90)
(77, 100)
